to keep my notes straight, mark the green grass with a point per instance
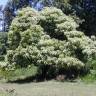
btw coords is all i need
(5, 94)
(89, 78)
(53, 88)
(1, 94)
(19, 74)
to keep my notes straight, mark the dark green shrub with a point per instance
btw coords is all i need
(2, 57)
(3, 43)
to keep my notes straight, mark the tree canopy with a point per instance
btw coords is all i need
(49, 41)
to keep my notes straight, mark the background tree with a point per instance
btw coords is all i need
(11, 8)
(84, 9)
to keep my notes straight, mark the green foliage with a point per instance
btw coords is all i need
(3, 43)
(89, 78)
(92, 64)
(83, 10)
(56, 23)
(2, 58)
(48, 40)
(23, 29)
(64, 5)
(63, 27)
(19, 73)
(69, 62)
(24, 32)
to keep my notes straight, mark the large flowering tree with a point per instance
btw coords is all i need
(49, 41)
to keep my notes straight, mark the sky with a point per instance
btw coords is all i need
(3, 2)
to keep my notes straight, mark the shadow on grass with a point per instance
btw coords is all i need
(38, 79)
(30, 79)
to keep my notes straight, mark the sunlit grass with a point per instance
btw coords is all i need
(5, 94)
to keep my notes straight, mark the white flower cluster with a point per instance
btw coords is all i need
(48, 37)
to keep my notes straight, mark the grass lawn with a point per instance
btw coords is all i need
(51, 88)
(4, 94)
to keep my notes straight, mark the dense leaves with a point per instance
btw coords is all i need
(3, 43)
(84, 9)
(50, 41)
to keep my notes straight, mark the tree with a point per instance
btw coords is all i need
(12, 6)
(10, 10)
(48, 40)
(85, 10)
(9, 14)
